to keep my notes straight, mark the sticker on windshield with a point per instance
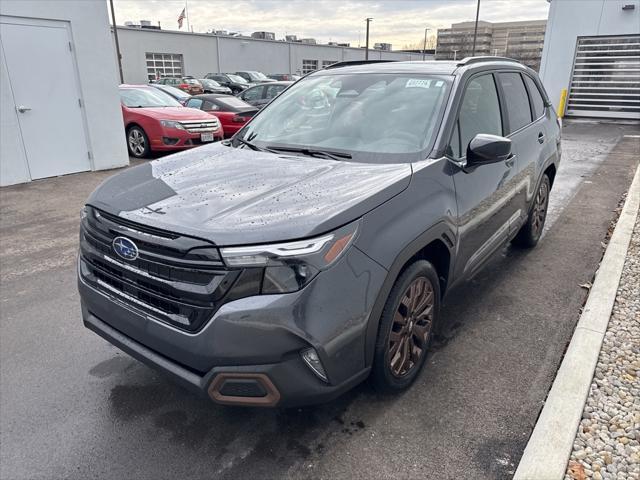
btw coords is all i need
(418, 82)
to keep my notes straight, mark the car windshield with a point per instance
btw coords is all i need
(379, 113)
(172, 91)
(146, 97)
(257, 75)
(236, 78)
(191, 81)
(209, 83)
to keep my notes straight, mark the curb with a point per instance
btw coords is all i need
(549, 448)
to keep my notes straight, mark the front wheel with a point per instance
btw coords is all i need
(138, 142)
(405, 328)
(530, 232)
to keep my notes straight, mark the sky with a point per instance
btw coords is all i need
(399, 22)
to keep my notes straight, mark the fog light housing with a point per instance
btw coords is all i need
(311, 358)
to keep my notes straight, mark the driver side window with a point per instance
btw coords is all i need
(479, 113)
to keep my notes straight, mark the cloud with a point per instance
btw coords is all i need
(399, 22)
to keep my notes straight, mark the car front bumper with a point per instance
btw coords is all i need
(174, 139)
(249, 352)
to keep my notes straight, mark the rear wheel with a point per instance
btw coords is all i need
(530, 232)
(406, 326)
(137, 142)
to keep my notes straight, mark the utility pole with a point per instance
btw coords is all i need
(475, 30)
(115, 36)
(366, 51)
(424, 48)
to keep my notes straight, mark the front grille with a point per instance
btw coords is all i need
(175, 279)
(201, 126)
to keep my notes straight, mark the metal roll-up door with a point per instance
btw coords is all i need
(605, 81)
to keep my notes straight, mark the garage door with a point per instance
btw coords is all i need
(606, 78)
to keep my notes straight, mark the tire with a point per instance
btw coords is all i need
(530, 232)
(137, 142)
(391, 373)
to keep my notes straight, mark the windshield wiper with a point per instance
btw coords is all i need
(253, 146)
(312, 152)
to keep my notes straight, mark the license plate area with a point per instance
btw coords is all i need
(206, 137)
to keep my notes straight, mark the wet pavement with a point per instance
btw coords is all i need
(72, 406)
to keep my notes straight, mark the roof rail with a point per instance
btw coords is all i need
(470, 60)
(350, 63)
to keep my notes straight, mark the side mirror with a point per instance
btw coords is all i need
(485, 148)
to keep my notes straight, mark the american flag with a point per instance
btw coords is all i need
(180, 19)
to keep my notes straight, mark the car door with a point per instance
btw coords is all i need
(527, 136)
(484, 193)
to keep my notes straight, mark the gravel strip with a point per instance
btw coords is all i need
(607, 442)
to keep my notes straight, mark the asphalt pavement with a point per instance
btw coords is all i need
(72, 406)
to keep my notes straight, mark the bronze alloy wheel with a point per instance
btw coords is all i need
(540, 209)
(411, 327)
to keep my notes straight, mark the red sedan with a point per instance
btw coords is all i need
(156, 122)
(232, 112)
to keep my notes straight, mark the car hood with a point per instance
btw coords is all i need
(173, 113)
(235, 196)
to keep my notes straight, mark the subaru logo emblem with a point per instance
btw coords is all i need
(125, 248)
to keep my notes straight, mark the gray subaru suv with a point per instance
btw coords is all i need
(313, 249)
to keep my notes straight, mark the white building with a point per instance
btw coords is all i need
(59, 105)
(592, 49)
(146, 53)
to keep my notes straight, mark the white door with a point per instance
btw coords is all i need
(46, 94)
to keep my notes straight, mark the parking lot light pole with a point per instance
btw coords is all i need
(115, 36)
(424, 48)
(475, 30)
(366, 48)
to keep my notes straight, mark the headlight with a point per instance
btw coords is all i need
(289, 266)
(171, 124)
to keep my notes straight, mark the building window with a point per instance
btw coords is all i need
(326, 63)
(161, 65)
(309, 66)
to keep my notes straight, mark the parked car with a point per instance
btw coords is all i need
(284, 77)
(180, 95)
(154, 121)
(187, 84)
(232, 112)
(315, 248)
(211, 86)
(234, 82)
(253, 76)
(260, 95)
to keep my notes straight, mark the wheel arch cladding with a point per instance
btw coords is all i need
(551, 173)
(432, 246)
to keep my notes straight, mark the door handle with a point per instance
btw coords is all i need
(541, 137)
(510, 160)
(22, 108)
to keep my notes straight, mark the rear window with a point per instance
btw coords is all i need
(536, 97)
(232, 102)
(516, 99)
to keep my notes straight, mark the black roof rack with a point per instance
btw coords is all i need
(355, 62)
(470, 60)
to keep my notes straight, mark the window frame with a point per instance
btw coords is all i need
(531, 104)
(456, 123)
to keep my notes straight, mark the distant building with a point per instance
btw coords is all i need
(291, 38)
(264, 35)
(383, 46)
(308, 41)
(522, 41)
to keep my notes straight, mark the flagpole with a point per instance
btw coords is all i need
(186, 11)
